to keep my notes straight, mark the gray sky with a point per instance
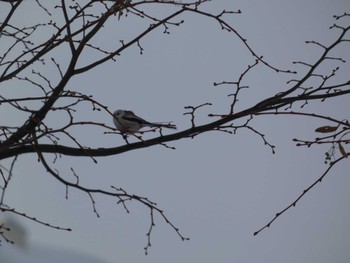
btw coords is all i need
(218, 188)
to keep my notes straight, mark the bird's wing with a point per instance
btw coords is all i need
(132, 117)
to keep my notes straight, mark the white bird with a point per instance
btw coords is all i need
(127, 122)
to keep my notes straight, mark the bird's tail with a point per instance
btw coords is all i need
(164, 125)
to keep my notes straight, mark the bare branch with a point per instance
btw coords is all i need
(294, 203)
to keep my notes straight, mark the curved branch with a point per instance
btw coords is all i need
(294, 203)
(135, 40)
(121, 195)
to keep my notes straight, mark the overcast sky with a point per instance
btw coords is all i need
(218, 189)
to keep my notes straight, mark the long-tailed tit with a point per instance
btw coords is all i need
(127, 122)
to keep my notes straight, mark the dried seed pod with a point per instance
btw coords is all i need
(326, 129)
(342, 150)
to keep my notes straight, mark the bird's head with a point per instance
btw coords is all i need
(119, 113)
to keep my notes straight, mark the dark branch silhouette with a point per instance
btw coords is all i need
(23, 56)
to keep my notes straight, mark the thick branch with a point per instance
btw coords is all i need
(40, 114)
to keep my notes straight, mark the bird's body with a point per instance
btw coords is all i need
(127, 122)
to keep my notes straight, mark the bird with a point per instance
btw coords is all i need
(127, 122)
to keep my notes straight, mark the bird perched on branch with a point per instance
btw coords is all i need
(127, 122)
